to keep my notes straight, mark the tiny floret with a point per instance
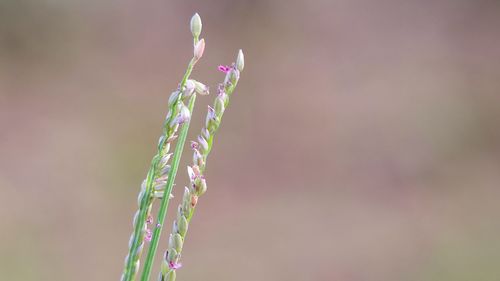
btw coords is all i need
(148, 235)
(224, 68)
(174, 265)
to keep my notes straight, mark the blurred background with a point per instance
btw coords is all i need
(362, 143)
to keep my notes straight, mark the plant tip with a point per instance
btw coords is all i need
(196, 25)
(240, 60)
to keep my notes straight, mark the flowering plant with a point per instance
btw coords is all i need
(161, 175)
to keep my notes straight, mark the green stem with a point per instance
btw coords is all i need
(130, 272)
(153, 246)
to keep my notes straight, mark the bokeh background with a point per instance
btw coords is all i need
(363, 142)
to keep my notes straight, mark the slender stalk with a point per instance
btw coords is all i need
(158, 163)
(153, 246)
(198, 186)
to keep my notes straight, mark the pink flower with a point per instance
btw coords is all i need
(194, 145)
(174, 265)
(148, 235)
(224, 68)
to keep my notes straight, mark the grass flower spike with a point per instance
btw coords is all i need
(161, 175)
(198, 185)
(159, 172)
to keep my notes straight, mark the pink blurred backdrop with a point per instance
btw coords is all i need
(363, 142)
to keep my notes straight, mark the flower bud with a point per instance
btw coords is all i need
(183, 116)
(201, 88)
(142, 193)
(191, 173)
(182, 226)
(172, 255)
(203, 144)
(200, 185)
(189, 88)
(165, 170)
(205, 133)
(196, 25)
(240, 61)
(159, 185)
(187, 209)
(164, 159)
(177, 242)
(219, 105)
(173, 97)
(198, 158)
(161, 141)
(232, 76)
(199, 48)
(223, 96)
(212, 121)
